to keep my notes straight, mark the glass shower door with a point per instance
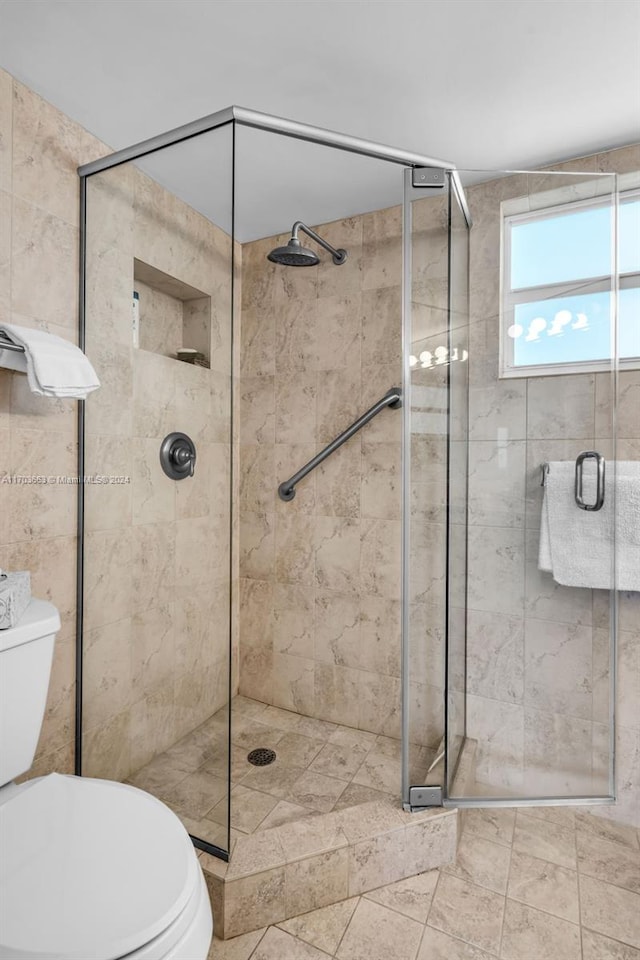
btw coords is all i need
(530, 627)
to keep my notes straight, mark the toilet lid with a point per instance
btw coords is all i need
(89, 870)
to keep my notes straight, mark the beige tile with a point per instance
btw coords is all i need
(497, 825)
(545, 886)
(296, 751)
(411, 897)
(316, 791)
(41, 511)
(108, 589)
(437, 945)
(279, 945)
(106, 748)
(376, 933)
(312, 835)
(610, 910)
(107, 672)
(337, 629)
(380, 859)
(564, 816)
(257, 409)
(482, 862)
(468, 911)
(47, 148)
(249, 808)
(380, 645)
(254, 854)
(337, 761)
(597, 947)
(381, 482)
(380, 558)
(530, 933)
(545, 840)
(338, 481)
(608, 861)
(379, 772)
(369, 820)
(336, 693)
(240, 948)
(277, 781)
(316, 881)
(355, 794)
(43, 246)
(158, 776)
(258, 899)
(337, 554)
(589, 825)
(285, 812)
(196, 794)
(314, 728)
(322, 928)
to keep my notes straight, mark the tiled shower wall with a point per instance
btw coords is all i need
(537, 666)
(320, 575)
(156, 618)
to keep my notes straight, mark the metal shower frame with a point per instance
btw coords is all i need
(300, 131)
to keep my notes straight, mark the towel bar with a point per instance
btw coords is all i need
(6, 344)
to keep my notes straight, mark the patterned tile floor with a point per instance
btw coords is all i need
(544, 883)
(319, 767)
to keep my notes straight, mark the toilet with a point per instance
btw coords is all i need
(89, 869)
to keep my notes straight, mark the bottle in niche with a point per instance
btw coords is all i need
(135, 319)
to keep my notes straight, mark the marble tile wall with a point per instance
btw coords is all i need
(537, 673)
(40, 149)
(320, 575)
(148, 548)
(157, 551)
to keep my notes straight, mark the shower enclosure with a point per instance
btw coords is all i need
(325, 590)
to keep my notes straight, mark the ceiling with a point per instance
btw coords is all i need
(486, 84)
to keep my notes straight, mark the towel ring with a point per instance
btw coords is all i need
(600, 465)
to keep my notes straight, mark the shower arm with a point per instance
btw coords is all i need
(339, 256)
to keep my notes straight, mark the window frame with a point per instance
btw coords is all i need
(552, 203)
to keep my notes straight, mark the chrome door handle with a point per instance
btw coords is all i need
(600, 465)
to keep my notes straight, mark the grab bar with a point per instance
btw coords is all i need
(391, 399)
(590, 455)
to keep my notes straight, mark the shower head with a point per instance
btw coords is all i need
(295, 255)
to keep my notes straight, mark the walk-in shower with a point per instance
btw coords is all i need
(381, 606)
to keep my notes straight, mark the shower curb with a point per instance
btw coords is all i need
(314, 862)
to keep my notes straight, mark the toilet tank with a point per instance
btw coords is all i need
(26, 652)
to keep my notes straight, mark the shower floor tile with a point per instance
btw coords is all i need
(319, 767)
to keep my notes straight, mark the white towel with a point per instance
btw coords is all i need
(576, 546)
(54, 367)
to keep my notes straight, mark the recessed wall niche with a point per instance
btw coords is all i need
(173, 314)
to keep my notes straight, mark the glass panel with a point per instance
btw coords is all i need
(457, 483)
(320, 606)
(438, 350)
(538, 676)
(157, 628)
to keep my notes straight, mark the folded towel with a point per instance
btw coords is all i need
(54, 367)
(577, 546)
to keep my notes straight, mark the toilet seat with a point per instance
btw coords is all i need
(93, 870)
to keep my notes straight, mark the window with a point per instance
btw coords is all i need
(557, 281)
